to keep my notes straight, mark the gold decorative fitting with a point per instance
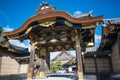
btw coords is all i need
(64, 39)
(82, 53)
(43, 42)
(44, 35)
(53, 33)
(92, 25)
(80, 75)
(63, 32)
(73, 38)
(68, 24)
(47, 23)
(90, 44)
(53, 40)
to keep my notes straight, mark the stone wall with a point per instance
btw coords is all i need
(116, 58)
(23, 68)
(10, 69)
(9, 66)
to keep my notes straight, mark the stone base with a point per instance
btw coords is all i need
(89, 77)
(29, 75)
(29, 79)
(80, 75)
(40, 75)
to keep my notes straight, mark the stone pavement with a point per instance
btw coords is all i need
(55, 78)
(59, 77)
(67, 77)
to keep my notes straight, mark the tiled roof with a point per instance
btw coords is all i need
(71, 62)
(17, 48)
(91, 51)
(107, 22)
(24, 57)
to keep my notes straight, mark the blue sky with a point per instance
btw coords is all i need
(13, 13)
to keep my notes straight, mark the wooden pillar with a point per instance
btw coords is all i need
(79, 57)
(41, 73)
(42, 68)
(83, 57)
(79, 60)
(31, 62)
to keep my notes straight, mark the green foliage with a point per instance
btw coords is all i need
(59, 64)
(1, 30)
(55, 66)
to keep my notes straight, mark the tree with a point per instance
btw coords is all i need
(54, 67)
(1, 30)
(59, 65)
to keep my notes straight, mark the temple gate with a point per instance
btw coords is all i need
(51, 30)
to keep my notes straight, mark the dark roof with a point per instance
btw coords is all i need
(18, 49)
(107, 22)
(110, 30)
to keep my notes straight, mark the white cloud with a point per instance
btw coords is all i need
(18, 43)
(7, 29)
(77, 13)
(97, 38)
